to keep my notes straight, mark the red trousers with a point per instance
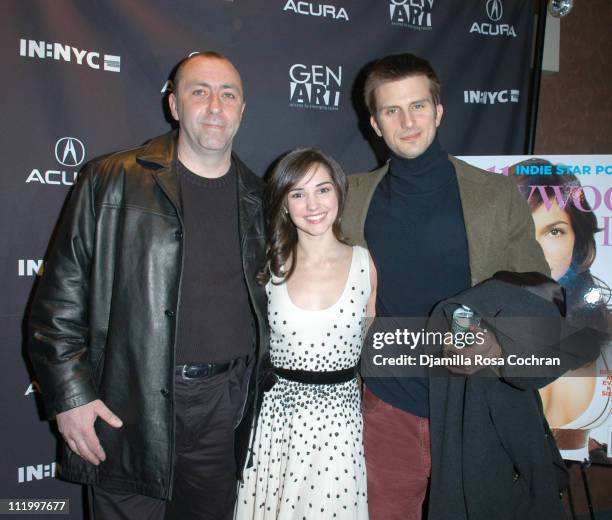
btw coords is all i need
(398, 460)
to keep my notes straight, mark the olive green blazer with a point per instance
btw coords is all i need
(498, 223)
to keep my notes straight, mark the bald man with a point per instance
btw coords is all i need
(148, 322)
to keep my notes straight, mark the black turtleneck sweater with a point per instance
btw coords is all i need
(416, 235)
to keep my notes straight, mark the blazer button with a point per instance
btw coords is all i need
(178, 235)
(169, 313)
(165, 392)
(515, 477)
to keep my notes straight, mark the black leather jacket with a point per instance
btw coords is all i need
(103, 320)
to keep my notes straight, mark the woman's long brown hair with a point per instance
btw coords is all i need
(282, 235)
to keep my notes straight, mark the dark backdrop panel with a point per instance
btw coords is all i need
(86, 78)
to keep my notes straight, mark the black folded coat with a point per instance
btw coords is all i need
(493, 455)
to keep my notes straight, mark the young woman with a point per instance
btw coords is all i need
(578, 402)
(307, 449)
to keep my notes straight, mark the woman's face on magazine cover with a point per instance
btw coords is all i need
(555, 234)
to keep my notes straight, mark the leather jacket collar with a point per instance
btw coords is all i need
(159, 155)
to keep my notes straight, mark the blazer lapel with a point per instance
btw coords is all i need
(478, 218)
(361, 191)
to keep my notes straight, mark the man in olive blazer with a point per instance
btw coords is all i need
(435, 226)
(498, 223)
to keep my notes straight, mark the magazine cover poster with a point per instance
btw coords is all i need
(570, 198)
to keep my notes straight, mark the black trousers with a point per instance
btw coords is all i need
(206, 411)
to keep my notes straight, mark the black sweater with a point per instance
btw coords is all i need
(416, 235)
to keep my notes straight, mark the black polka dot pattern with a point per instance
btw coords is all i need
(308, 452)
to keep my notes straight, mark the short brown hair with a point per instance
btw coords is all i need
(396, 67)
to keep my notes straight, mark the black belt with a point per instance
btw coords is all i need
(310, 377)
(202, 370)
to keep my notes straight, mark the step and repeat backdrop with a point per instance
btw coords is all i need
(86, 78)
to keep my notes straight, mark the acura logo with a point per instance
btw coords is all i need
(495, 10)
(69, 151)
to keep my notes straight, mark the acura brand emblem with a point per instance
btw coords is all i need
(495, 10)
(69, 151)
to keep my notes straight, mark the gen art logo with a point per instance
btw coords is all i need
(315, 86)
(413, 14)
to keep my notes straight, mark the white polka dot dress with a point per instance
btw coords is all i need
(308, 452)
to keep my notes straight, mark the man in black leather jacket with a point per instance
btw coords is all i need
(148, 323)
